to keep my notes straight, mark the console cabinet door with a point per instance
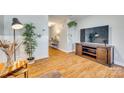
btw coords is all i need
(78, 49)
(102, 55)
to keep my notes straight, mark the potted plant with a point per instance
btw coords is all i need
(30, 42)
(72, 24)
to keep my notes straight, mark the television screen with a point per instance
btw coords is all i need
(95, 34)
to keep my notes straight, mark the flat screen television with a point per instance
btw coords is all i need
(95, 34)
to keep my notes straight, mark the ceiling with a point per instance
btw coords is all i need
(53, 19)
(57, 18)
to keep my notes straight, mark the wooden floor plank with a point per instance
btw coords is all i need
(73, 66)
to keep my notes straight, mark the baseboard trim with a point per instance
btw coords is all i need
(42, 57)
(65, 50)
(118, 63)
(37, 60)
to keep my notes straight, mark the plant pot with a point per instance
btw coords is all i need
(31, 60)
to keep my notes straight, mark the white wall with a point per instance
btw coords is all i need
(2, 55)
(1, 24)
(116, 30)
(71, 36)
(63, 38)
(41, 23)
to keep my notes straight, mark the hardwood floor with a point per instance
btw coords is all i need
(73, 66)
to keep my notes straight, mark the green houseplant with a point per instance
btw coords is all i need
(72, 24)
(30, 42)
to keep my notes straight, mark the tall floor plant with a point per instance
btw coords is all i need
(30, 41)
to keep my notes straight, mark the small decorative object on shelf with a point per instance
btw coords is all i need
(105, 42)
